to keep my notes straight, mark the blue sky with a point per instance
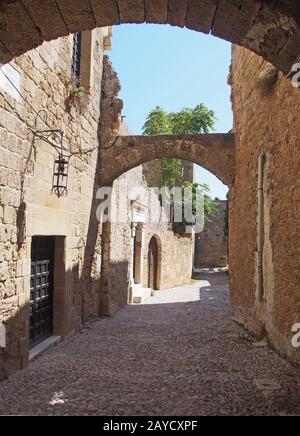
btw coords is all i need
(173, 68)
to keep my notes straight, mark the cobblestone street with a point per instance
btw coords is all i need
(167, 357)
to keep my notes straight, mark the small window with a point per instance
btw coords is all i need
(76, 58)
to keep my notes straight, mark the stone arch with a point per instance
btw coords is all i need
(155, 239)
(214, 152)
(270, 29)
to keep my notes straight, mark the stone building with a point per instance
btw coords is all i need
(50, 261)
(259, 162)
(211, 248)
(264, 206)
(142, 249)
(60, 267)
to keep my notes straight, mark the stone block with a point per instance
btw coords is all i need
(200, 15)
(22, 298)
(106, 12)
(177, 12)
(131, 11)
(9, 215)
(156, 11)
(51, 24)
(17, 22)
(78, 14)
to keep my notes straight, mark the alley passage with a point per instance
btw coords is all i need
(162, 358)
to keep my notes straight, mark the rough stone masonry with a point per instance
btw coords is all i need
(270, 29)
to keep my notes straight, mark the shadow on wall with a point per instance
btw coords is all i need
(114, 288)
(90, 278)
(78, 298)
(104, 289)
(78, 305)
(13, 356)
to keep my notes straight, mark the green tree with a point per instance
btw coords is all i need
(210, 207)
(189, 121)
(192, 121)
(157, 123)
(171, 172)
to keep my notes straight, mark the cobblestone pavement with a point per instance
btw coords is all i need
(178, 358)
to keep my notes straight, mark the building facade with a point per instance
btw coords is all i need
(50, 248)
(264, 207)
(211, 247)
(60, 265)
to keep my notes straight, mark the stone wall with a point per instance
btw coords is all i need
(27, 207)
(211, 245)
(153, 173)
(175, 259)
(118, 256)
(266, 122)
(175, 266)
(176, 251)
(176, 256)
(269, 28)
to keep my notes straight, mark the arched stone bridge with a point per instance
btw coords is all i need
(269, 28)
(214, 152)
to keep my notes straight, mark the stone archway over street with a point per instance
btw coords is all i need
(215, 152)
(270, 29)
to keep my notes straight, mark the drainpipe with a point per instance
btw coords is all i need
(260, 230)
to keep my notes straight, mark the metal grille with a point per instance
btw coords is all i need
(41, 290)
(76, 56)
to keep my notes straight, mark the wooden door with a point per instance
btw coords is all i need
(153, 264)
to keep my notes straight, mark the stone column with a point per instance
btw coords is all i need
(142, 235)
(131, 279)
(139, 252)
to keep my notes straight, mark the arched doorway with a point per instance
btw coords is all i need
(153, 264)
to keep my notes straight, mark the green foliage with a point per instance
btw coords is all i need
(189, 121)
(192, 121)
(80, 92)
(171, 171)
(210, 207)
(157, 123)
(77, 97)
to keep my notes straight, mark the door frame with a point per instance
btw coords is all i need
(157, 284)
(42, 258)
(59, 323)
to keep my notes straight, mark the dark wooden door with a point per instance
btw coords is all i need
(153, 264)
(41, 289)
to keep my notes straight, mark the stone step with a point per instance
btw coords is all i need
(140, 294)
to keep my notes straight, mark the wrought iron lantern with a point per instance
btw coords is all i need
(60, 176)
(55, 137)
